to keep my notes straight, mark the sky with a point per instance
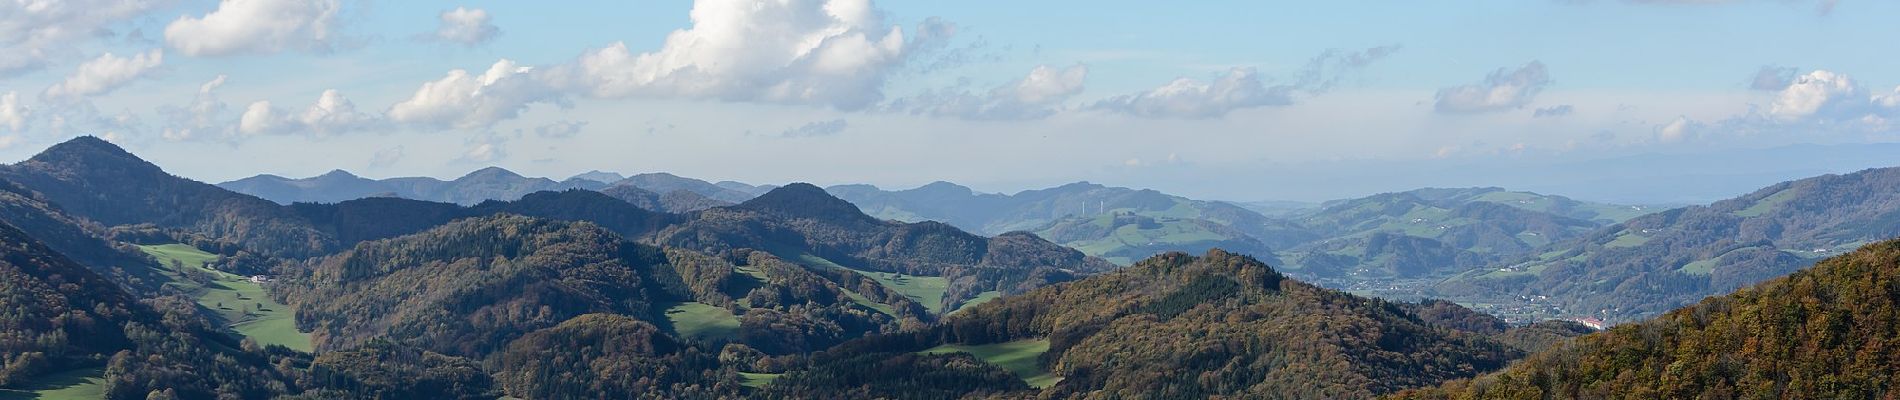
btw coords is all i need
(1239, 100)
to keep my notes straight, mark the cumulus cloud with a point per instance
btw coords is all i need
(1680, 129)
(256, 27)
(1819, 101)
(465, 100)
(12, 113)
(466, 26)
(819, 52)
(35, 33)
(331, 114)
(1553, 111)
(200, 118)
(1815, 93)
(1504, 89)
(1773, 78)
(104, 74)
(816, 129)
(1241, 88)
(1037, 95)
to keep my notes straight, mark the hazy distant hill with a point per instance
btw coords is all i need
(1657, 262)
(1174, 326)
(490, 183)
(1081, 214)
(1828, 332)
(1432, 232)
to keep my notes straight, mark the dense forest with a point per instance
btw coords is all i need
(1177, 326)
(1827, 332)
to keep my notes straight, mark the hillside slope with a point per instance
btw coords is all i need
(1828, 332)
(1661, 261)
(1177, 326)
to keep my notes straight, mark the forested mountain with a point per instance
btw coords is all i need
(1827, 332)
(90, 178)
(1119, 223)
(490, 183)
(678, 201)
(1176, 326)
(79, 240)
(1432, 232)
(63, 319)
(1657, 262)
(665, 183)
(802, 223)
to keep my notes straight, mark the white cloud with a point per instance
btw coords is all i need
(464, 100)
(34, 33)
(1037, 95)
(466, 26)
(104, 74)
(1190, 98)
(1243, 88)
(331, 114)
(1814, 93)
(1504, 89)
(200, 117)
(818, 52)
(483, 152)
(12, 113)
(1681, 129)
(256, 27)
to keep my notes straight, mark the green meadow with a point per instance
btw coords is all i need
(1018, 357)
(79, 384)
(239, 304)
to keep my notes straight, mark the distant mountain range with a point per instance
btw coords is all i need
(492, 183)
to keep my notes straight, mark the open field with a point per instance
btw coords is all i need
(78, 384)
(926, 290)
(238, 303)
(702, 321)
(1018, 357)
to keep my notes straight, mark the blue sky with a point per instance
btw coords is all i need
(999, 95)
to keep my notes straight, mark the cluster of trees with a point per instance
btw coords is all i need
(1829, 332)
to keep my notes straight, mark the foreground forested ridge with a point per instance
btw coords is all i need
(1828, 332)
(1177, 326)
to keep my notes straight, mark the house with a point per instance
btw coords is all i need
(259, 279)
(1591, 322)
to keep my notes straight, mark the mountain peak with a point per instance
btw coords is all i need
(86, 150)
(492, 173)
(599, 176)
(337, 174)
(806, 200)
